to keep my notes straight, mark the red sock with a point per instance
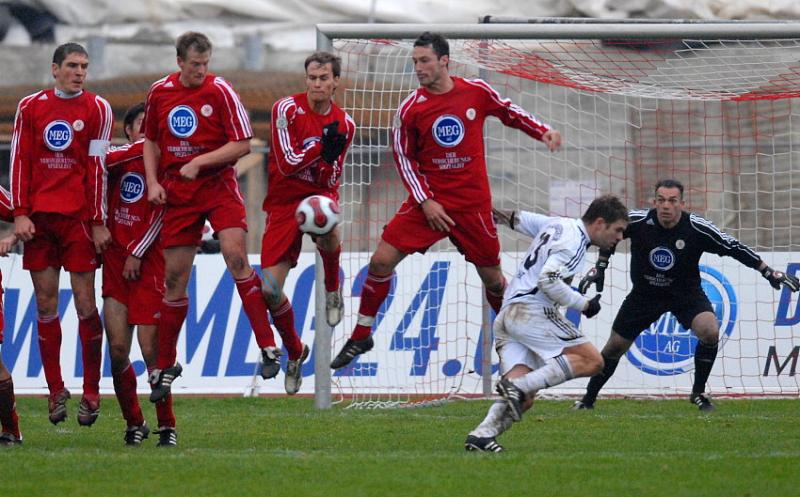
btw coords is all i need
(256, 309)
(50, 351)
(330, 264)
(374, 292)
(8, 408)
(90, 330)
(125, 388)
(496, 300)
(283, 318)
(164, 412)
(173, 313)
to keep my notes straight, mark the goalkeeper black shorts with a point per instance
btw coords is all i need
(640, 310)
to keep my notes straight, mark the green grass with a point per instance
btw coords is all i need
(282, 446)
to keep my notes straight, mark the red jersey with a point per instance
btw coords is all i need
(6, 209)
(57, 155)
(187, 122)
(134, 222)
(294, 156)
(438, 142)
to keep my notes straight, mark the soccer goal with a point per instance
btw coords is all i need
(710, 104)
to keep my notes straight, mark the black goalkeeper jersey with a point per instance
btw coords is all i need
(667, 261)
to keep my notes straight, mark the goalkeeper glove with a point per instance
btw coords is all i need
(775, 279)
(596, 275)
(593, 308)
(333, 142)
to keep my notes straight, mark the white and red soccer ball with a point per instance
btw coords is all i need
(317, 215)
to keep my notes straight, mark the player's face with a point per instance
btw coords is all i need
(429, 68)
(609, 234)
(71, 74)
(669, 205)
(135, 129)
(194, 67)
(320, 83)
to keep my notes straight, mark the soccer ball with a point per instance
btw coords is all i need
(317, 215)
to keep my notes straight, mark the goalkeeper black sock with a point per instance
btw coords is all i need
(597, 381)
(704, 356)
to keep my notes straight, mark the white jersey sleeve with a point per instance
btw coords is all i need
(529, 223)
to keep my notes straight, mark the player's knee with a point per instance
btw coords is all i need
(119, 354)
(496, 287)
(380, 267)
(237, 264)
(594, 364)
(272, 296)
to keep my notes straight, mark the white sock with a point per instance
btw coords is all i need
(554, 372)
(497, 421)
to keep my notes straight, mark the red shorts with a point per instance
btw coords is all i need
(142, 297)
(282, 238)
(60, 241)
(474, 235)
(189, 203)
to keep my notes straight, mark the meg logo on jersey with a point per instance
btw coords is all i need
(131, 189)
(182, 121)
(666, 348)
(58, 135)
(662, 258)
(448, 130)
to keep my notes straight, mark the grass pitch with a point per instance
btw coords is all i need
(283, 446)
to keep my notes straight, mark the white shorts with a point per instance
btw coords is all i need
(530, 335)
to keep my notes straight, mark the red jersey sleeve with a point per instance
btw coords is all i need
(291, 156)
(236, 122)
(150, 122)
(404, 142)
(6, 212)
(124, 153)
(509, 113)
(139, 246)
(21, 156)
(96, 181)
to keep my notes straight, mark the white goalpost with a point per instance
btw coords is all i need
(708, 103)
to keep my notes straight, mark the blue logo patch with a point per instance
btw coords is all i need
(131, 189)
(182, 121)
(662, 258)
(448, 130)
(666, 348)
(58, 136)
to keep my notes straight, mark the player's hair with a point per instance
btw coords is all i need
(669, 183)
(609, 207)
(436, 41)
(189, 40)
(323, 58)
(67, 48)
(130, 116)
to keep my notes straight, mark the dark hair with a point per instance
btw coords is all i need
(436, 41)
(67, 48)
(608, 207)
(189, 40)
(323, 58)
(130, 116)
(669, 183)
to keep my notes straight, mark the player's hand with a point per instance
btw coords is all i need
(333, 142)
(328, 174)
(436, 216)
(592, 307)
(24, 228)
(552, 139)
(189, 171)
(775, 279)
(101, 237)
(131, 269)
(509, 218)
(6, 244)
(156, 194)
(596, 275)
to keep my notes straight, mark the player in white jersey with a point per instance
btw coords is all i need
(538, 348)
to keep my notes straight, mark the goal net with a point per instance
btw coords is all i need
(713, 111)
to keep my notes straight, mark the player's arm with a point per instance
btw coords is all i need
(404, 146)
(151, 156)
(723, 244)
(291, 154)
(117, 156)
(525, 222)
(329, 170)
(514, 116)
(96, 181)
(226, 154)
(557, 268)
(137, 248)
(21, 156)
(7, 215)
